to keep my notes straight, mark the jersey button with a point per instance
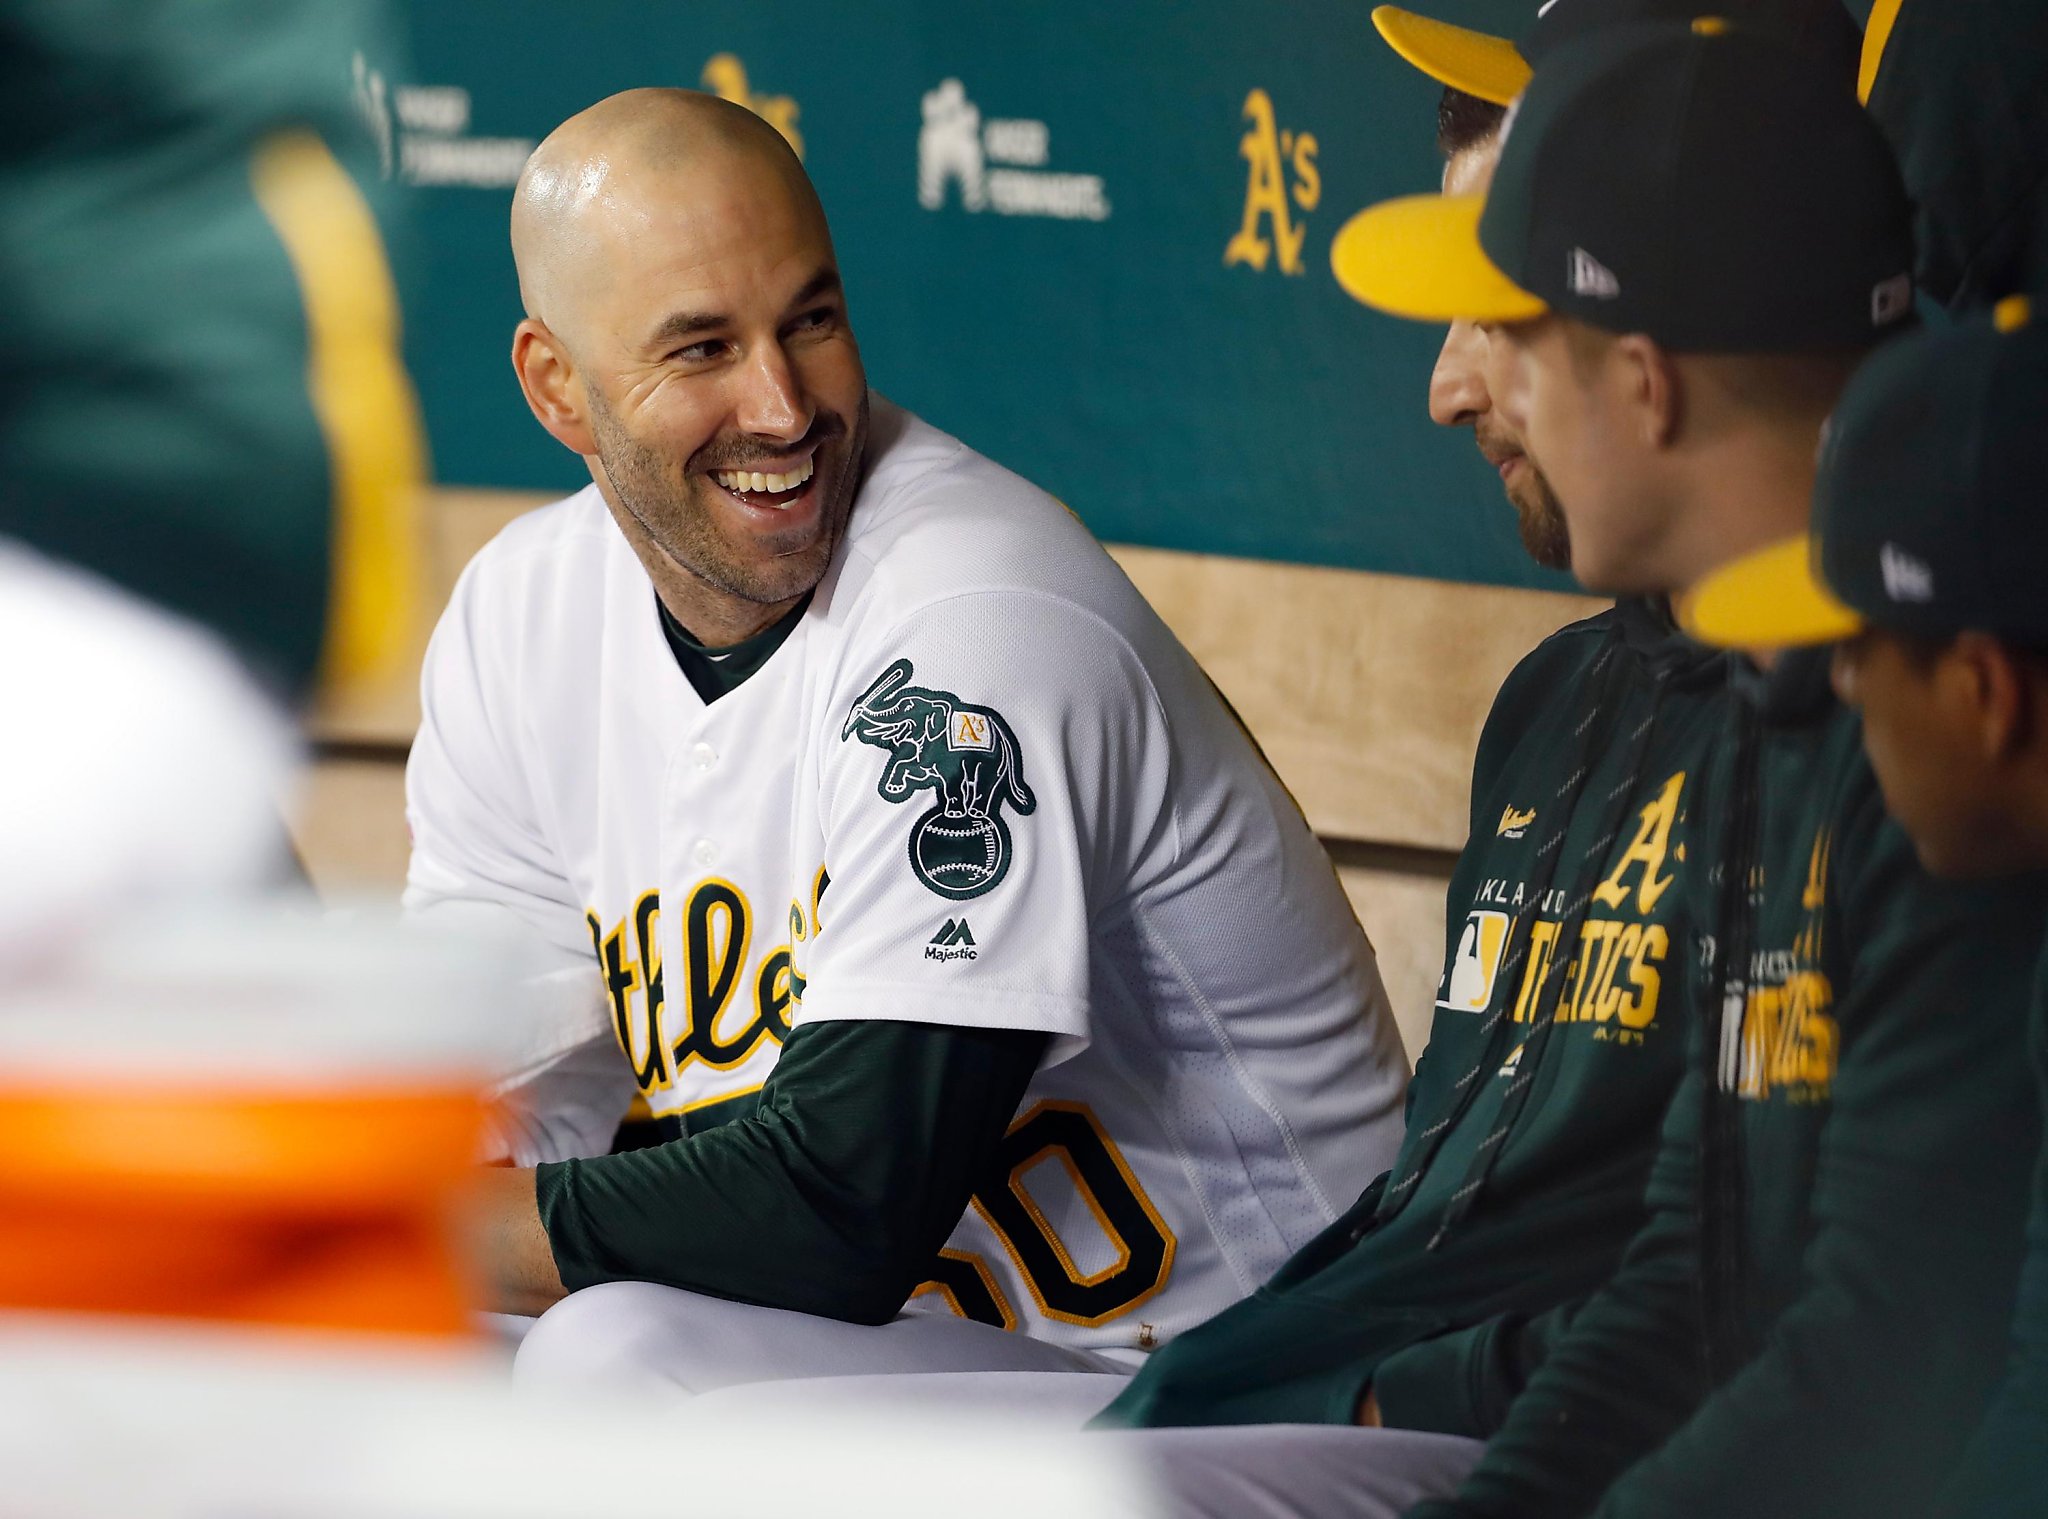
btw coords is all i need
(703, 757)
(705, 853)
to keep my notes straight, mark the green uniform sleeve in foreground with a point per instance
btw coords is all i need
(832, 1198)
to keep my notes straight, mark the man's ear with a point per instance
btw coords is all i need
(553, 389)
(1998, 695)
(1651, 389)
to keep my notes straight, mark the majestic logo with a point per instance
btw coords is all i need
(967, 756)
(726, 77)
(1514, 822)
(953, 942)
(1269, 152)
(956, 147)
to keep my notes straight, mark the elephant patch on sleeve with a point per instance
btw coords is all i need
(966, 756)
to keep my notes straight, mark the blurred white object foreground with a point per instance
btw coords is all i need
(159, 1422)
(139, 760)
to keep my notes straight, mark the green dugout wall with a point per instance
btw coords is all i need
(1091, 240)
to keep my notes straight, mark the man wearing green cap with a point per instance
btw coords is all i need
(1498, 69)
(1690, 240)
(1957, 88)
(1928, 551)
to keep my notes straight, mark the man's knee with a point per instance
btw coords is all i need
(613, 1335)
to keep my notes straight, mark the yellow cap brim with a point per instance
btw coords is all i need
(1475, 62)
(1420, 257)
(1771, 599)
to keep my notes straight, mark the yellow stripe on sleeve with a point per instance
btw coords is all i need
(1877, 31)
(364, 401)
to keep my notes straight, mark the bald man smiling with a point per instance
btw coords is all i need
(997, 1006)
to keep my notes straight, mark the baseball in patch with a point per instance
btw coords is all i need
(966, 756)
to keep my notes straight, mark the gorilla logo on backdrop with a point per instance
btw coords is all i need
(966, 756)
(726, 77)
(949, 149)
(1000, 164)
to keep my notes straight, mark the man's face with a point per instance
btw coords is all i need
(1461, 392)
(1935, 780)
(1558, 392)
(726, 392)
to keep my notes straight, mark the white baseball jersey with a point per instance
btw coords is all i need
(980, 785)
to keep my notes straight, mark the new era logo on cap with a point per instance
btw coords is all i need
(1588, 276)
(1905, 577)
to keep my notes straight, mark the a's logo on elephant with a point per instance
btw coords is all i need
(966, 756)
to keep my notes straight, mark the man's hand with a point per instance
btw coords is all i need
(1369, 1410)
(509, 1248)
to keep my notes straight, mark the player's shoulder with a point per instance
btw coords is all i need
(1562, 659)
(562, 539)
(937, 521)
(1547, 681)
(534, 598)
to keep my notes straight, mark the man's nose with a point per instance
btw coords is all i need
(1457, 386)
(771, 401)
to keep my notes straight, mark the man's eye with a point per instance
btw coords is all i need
(811, 321)
(698, 353)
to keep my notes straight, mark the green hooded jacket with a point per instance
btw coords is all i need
(2005, 1473)
(1813, 1318)
(1443, 1284)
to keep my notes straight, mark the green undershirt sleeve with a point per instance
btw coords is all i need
(832, 1198)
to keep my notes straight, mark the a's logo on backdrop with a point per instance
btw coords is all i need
(996, 165)
(1280, 165)
(966, 756)
(726, 77)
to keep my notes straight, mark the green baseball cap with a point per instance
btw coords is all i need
(1498, 69)
(1930, 513)
(1703, 184)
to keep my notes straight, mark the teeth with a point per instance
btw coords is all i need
(754, 480)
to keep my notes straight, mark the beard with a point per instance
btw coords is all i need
(680, 508)
(1540, 522)
(1538, 518)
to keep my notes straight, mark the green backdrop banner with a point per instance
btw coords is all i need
(1091, 240)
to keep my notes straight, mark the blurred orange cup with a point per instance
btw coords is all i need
(312, 1208)
(261, 1115)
